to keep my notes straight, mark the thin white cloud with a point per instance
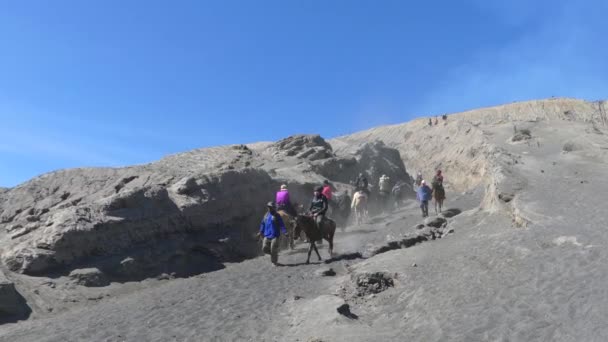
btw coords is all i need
(560, 56)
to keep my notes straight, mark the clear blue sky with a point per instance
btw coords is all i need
(110, 83)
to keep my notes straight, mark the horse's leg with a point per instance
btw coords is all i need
(330, 239)
(312, 244)
(291, 235)
(316, 251)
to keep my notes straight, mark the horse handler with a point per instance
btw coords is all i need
(270, 229)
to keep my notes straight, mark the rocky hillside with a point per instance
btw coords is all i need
(194, 212)
(460, 147)
(185, 214)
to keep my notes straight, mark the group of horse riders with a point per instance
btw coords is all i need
(273, 222)
(283, 209)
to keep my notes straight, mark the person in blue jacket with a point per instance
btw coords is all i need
(424, 195)
(270, 229)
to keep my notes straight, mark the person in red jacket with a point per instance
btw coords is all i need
(327, 192)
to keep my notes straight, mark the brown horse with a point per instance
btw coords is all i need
(439, 197)
(289, 226)
(307, 224)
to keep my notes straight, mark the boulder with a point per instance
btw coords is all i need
(89, 277)
(436, 222)
(12, 304)
(367, 283)
(426, 232)
(447, 213)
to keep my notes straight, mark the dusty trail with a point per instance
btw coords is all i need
(526, 261)
(246, 301)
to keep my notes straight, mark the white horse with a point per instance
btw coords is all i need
(359, 204)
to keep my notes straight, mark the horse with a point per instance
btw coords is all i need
(383, 200)
(307, 224)
(438, 197)
(399, 193)
(359, 203)
(341, 209)
(289, 222)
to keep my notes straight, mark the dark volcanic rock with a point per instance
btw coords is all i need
(371, 283)
(90, 277)
(436, 222)
(12, 305)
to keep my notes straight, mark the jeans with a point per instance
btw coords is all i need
(424, 205)
(271, 246)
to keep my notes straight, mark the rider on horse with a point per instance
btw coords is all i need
(361, 184)
(318, 207)
(284, 202)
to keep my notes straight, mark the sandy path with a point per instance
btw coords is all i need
(245, 301)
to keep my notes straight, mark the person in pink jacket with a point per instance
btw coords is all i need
(327, 192)
(284, 202)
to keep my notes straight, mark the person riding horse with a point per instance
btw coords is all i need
(438, 191)
(284, 202)
(418, 180)
(362, 184)
(318, 207)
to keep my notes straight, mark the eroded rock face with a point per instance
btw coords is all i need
(116, 223)
(196, 208)
(311, 147)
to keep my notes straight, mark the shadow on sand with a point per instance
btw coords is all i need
(22, 311)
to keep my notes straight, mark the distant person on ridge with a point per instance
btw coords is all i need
(436, 121)
(318, 207)
(284, 202)
(270, 229)
(430, 122)
(424, 194)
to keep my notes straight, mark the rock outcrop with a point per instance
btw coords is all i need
(12, 305)
(184, 214)
(90, 277)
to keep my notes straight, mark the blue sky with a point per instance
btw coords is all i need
(111, 83)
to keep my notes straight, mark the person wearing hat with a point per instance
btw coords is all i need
(270, 229)
(318, 207)
(284, 201)
(424, 194)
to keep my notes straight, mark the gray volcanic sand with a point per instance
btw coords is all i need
(252, 300)
(526, 260)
